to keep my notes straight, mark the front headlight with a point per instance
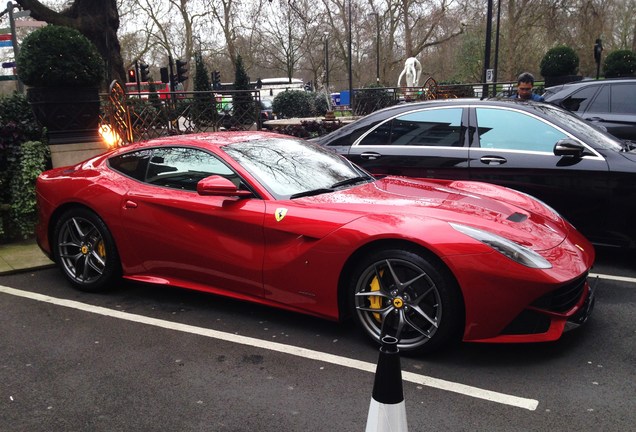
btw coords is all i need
(512, 250)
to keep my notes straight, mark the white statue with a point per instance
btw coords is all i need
(413, 70)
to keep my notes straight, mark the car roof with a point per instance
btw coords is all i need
(204, 139)
(589, 81)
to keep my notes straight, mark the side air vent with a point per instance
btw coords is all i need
(517, 217)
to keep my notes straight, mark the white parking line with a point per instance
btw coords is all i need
(502, 398)
(614, 278)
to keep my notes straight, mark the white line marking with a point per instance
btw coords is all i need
(502, 398)
(614, 278)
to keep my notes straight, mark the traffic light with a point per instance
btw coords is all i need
(216, 80)
(165, 75)
(182, 71)
(144, 72)
(132, 76)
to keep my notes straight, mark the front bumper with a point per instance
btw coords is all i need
(544, 321)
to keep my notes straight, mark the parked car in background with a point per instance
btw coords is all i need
(267, 112)
(278, 221)
(610, 103)
(586, 174)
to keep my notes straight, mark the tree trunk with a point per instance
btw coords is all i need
(98, 20)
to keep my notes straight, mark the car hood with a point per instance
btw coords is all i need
(497, 209)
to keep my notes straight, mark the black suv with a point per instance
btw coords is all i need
(610, 103)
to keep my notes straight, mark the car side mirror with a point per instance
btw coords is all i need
(219, 186)
(569, 147)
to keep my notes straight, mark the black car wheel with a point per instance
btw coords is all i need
(400, 293)
(85, 250)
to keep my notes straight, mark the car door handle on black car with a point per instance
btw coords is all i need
(493, 160)
(370, 155)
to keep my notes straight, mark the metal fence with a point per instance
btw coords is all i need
(145, 115)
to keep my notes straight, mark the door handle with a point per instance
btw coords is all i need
(130, 204)
(493, 160)
(596, 119)
(370, 155)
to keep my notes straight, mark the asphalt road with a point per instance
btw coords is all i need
(145, 358)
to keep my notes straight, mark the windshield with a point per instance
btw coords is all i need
(581, 127)
(289, 167)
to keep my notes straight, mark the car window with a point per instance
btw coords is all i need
(174, 167)
(184, 167)
(624, 98)
(435, 127)
(513, 130)
(602, 102)
(133, 164)
(580, 99)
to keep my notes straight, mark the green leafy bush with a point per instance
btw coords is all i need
(621, 63)
(58, 56)
(559, 61)
(23, 213)
(295, 103)
(17, 126)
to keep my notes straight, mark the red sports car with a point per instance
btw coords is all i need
(279, 221)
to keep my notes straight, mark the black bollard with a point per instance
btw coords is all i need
(387, 411)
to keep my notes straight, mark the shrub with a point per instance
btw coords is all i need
(17, 125)
(621, 63)
(559, 61)
(322, 103)
(23, 213)
(58, 56)
(244, 104)
(295, 103)
(311, 128)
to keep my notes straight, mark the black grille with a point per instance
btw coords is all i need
(564, 298)
(528, 322)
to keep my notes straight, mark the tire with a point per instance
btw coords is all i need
(401, 293)
(85, 250)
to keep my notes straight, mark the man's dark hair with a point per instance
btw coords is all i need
(526, 77)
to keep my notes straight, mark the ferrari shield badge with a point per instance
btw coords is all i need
(280, 214)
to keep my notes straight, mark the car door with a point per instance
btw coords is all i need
(614, 107)
(428, 142)
(198, 241)
(515, 148)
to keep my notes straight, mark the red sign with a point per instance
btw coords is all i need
(5, 37)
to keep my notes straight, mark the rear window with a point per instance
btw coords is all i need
(433, 127)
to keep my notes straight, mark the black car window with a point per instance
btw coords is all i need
(133, 164)
(435, 127)
(624, 98)
(175, 167)
(513, 130)
(580, 99)
(601, 103)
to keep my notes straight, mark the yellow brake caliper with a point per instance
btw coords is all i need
(375, 302)
(101, 249)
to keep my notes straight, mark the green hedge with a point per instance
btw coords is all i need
(22, 158)
(621, 63)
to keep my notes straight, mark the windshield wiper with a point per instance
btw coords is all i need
(311, 193)
(351, 181)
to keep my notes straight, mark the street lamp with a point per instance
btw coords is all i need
(350, 60)
(377, 47)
